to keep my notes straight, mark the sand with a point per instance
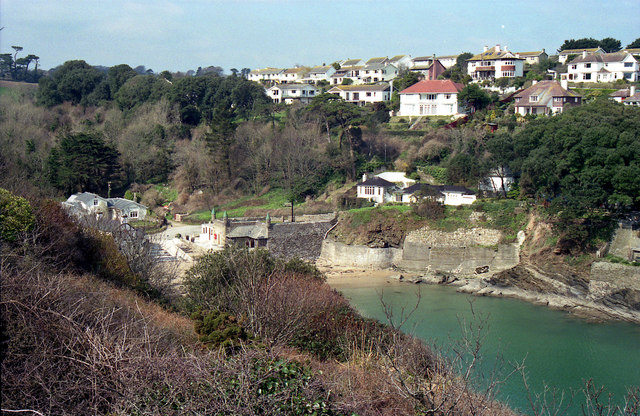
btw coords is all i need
(353, 277)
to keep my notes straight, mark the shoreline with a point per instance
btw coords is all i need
(357, 277)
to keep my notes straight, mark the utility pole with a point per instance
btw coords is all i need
(109, 189)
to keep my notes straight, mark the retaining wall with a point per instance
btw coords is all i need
(298, 239)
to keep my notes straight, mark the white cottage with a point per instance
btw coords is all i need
(362, 94)
(430, 98)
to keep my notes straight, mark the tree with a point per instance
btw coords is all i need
(83, 162)
(73, 82)
(15, 55)
(634, 44)
(610, 45)
(472, 96)
(583, 43)
(117, 76)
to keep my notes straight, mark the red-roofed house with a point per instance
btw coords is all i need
(430, 98)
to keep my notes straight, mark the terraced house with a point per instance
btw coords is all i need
(495, 63)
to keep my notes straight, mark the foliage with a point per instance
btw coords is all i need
(463, 168)
(16, 216)
(634, 44)
(74, 81)
(219, 329)
(429, 209)
(83, 162)
(438, 173)
(474, 97)
(608, 44)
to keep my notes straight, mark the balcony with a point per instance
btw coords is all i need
(486, 69)
(508, 68)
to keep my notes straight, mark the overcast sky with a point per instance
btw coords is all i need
(181, 35)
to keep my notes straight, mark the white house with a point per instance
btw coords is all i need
(602, 67)
(377, 189)
(319, 73)
(448, 60)
(292, 75)
(532, 58)
(428, 66)
(398, 178)
(290, 93)
(444, 194)
(621, 95)
(266, 74)
(401, 61)
(377, 72)
(564, 55)
(362, 94)
(495, 63)
(545, 97)
(434, 97)
(119, 209)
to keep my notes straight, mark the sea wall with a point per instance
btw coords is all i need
(618, 275)
(340, 254)
(415, 256)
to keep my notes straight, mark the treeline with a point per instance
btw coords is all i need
(17, 69)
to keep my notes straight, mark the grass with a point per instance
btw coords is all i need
(362, 216)
(168, 194)
(615, 259)
(271, 201)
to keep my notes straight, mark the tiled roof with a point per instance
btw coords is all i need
(433, 86)
(633, 51)
(256, 231)
(535, 53)
(374, 66)
(397, 58)
(423, 58)
(294, 70)
(447, 57)
(433, 189)
(635, 98)
(320, 69)
(375, 181)
(351, 62)
(624, 93)
(576, 51)
(492, 54)
(294, 86)
(378, 60)
(545, 91)
(605, 57)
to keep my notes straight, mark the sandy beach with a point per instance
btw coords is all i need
(354, 277)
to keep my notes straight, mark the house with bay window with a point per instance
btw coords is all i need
(602, 67)
(377, 189)
(495, 63)
(430, 98)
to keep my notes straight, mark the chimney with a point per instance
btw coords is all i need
(584, 54)
(564, 83)
(497, 48)
(517, 54)
(534, 82)
(365, 176)
(505, 48)
(632, 90)
(486, 48)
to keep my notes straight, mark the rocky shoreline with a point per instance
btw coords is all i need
(523, 283)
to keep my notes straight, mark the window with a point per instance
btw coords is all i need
(557, 99)
(574, 66)
(447, 96)
(587, 65)
(508, 73)
(311, 92)
(432, 96)
(628, 75)
(294, 91)
(398, 197)
(368, 94)
(628, 64)
(133, 214)
(369, 190)
(95, 201)
(517, 99)
(508, 63)
(533, 98)
(586, 76)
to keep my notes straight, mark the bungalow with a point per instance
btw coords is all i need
(495, 63)
(444, 194)
(377, 189)
(362, 94)
(602, 67)
(633, 100)
(429, 66)
(545, 97)
(398, 178)
(119, 209)
(291, 93)
(563, 56)
(621, 95)
(265, 75)
(435, 97)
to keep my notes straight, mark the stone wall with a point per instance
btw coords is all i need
(339, 254)
(422, 257)
(298, 239)
(619, 275)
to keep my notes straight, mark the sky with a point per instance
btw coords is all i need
(180, 35)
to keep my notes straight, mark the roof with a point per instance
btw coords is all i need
(376, 87)
(394, 177)
(624, 93)
(447, 57)
(294, 70)
(121, 203)
(351, 62)
(576, 51)
(604, 57)
(87, 199)
(84, 197)
(634, 98)
(423, 58)
(374, 66)
(293, 86)
(633, 51)
(256, 231)
(534, 53)
(321, 69)
(267, 71)
(493, 54)
(375, 181)
(397, 58)
(545, 91)
(433, 86)
(430, 189)
(378, 60)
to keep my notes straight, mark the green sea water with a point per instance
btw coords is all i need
(560, 351)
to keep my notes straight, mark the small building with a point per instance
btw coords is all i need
(633, 100)
(621, 95)
(401, 61)
(119, 209)
(397, 178)
(545, 97)
(378, 72)
(430, 98)
(291, 93)
(250, 236)
(362, 94)
(265, 75)
(319, 73)
(448, 60)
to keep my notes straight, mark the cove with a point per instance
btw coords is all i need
(559, 350)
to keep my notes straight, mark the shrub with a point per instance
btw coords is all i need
(16, 216)
(219, 329)
(429, 209)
